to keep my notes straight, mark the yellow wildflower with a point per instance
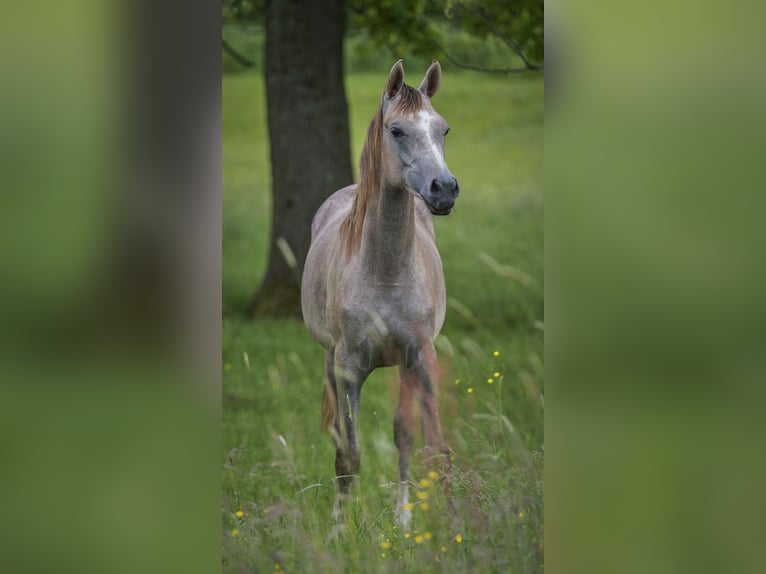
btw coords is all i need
(496, 375)
(422, 495)
(521, 515)
(409, 506)
(239, 514)
(385, 545)
(457, 381)
(235, 532)
(427, 535)
(495, 353)
(424, 483)
(458, 537)
(406, 534)
(433, 475)
(424, 506)
(443, 548)
(382, 554)
(490, 381)
(470, 390)
(419, 539)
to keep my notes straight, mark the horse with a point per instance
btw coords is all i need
(373, 291)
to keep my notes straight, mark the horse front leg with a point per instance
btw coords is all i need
(426, 371)
(348, 378)
(436, 447)
(418, 376)
(404, 431)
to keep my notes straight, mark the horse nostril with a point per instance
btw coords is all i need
(445, 187)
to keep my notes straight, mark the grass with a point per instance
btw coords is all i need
(278, 468)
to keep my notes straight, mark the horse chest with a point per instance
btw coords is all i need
(385, 323)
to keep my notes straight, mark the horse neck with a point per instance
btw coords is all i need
(388, 240)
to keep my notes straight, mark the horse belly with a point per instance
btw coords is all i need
(315, 288)
(321, 264)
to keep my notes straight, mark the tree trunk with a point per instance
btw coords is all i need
(308, 133)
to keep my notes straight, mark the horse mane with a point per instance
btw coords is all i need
(408, 101)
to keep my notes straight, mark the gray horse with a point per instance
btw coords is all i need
(373, 291)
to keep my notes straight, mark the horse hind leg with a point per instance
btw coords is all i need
(329, 419)
(329, 393)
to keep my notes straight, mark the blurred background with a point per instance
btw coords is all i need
(115, 445)
(110, 296)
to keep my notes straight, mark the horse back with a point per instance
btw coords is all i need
(333, 211)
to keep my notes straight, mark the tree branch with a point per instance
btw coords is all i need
(239, 58)
(508, 41)
(527, 67)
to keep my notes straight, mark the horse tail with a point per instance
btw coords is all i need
(328, 406)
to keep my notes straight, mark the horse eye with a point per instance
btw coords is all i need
(445, 133)
(396, 132)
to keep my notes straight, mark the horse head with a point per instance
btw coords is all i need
(412, 140)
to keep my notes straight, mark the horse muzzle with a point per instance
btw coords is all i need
(441, 195)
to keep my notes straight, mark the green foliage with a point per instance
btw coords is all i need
(363, 54)
(518, 23)
(425, 28)
(278, 468)
(394, 25)
(242, 11)
(488, 34)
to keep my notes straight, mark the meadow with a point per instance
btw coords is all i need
(278, 468)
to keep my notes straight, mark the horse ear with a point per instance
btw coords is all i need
(395, 80)
(430, 84)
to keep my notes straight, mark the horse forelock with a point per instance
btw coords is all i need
(407, 101)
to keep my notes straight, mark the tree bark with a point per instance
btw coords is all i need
(308, 133)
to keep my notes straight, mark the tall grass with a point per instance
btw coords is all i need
(278, 468)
